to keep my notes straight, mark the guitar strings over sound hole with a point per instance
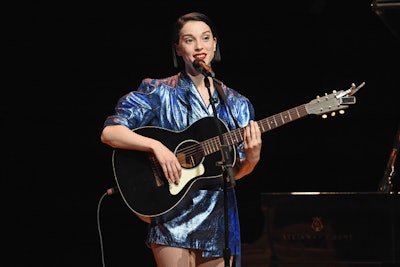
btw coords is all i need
(189, 154)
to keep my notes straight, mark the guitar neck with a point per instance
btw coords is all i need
(236, 136)
(282, 118)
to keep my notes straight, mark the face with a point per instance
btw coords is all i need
(196, 42)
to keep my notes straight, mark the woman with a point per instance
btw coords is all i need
(191, 234)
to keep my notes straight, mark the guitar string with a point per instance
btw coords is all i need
(213, 144)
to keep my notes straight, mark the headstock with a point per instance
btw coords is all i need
(336, 101)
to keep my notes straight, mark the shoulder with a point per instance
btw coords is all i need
(238, 101)
(152, 83)
(235, 96)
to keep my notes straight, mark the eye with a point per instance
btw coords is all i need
(206, 37)
(188, 40)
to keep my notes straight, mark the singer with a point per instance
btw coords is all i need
(191, 233)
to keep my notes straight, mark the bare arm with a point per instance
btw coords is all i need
(119, 136)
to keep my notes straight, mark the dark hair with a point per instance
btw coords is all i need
(181, 21)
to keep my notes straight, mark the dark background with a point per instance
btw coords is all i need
(68, 63)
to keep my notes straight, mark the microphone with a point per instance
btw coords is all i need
(202, 67)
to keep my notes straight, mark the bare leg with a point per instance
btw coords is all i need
(172, 257)
(178, 257)
(210, 262)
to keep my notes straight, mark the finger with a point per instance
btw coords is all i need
(167, 171)
(174, 173)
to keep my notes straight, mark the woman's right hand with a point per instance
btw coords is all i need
(169, 163)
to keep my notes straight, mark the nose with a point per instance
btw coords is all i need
(198, 46)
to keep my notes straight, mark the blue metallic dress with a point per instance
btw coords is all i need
(174, 103)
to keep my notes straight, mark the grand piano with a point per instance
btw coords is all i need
(324, 229)
(331, 229)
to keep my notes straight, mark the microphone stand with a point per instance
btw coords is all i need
(227, 166)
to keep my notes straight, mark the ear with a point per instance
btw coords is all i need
(177, 50)
(215, 44)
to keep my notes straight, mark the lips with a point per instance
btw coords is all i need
(200, 56)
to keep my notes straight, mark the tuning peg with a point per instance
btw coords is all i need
(333, 114)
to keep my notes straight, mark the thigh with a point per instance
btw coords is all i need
(171, 256)
(210, 262)
(166, 256)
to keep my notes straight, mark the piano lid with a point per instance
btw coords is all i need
(389, 12)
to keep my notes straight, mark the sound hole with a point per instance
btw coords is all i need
(189, 154)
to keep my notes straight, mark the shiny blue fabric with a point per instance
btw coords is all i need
(174, 103)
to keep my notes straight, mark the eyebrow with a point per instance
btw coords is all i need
(185, 35)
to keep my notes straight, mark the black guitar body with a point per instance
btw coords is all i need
(140, 179)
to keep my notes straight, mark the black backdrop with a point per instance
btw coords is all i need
(70, 62)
